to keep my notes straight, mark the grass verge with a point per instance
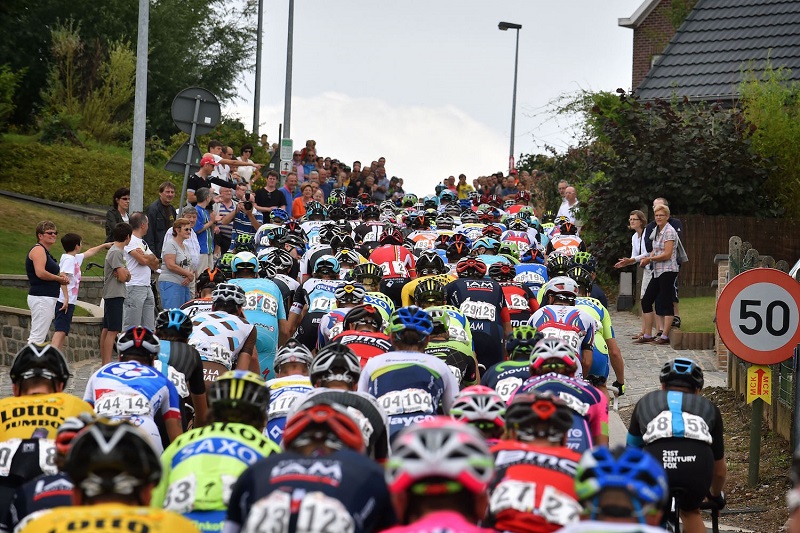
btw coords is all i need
(697, 314)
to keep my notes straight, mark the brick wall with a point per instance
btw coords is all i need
(90, 290)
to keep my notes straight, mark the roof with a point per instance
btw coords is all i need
(717, 41)
(638, 17)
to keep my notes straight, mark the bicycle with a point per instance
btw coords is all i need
(671, 519)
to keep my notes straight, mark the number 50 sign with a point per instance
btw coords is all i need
(758, 314)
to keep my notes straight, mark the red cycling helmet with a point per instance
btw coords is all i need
(470, 267)
(335, 418)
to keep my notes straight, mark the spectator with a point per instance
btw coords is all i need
(202, 178)
(226, 208)
(141, 262)
(223, 155)
(70, 265)
(637, 222)
(176, 267)
(246, 172)
(118, 213)
(161, 216)
(45, 280)
(297, 165)
(319, 196)
(289, 189)
(510, 190)
(648, 231)
(264, 142)
(299, 203)
(309, 160)
(450, 183)
(569, 205)
(311, 146)
(246, 219)
(115, 275)
(381, 186)
(191, 243)
(270, 197)
(463, 188)
(204, 227)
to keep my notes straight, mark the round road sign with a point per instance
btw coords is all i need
(758, 314)
(208, 112)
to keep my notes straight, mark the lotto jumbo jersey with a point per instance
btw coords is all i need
(20, 416)
(106, 517)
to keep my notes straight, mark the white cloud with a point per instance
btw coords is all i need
(423, 145)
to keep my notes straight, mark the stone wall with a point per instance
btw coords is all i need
(90, 290)
(82, 343)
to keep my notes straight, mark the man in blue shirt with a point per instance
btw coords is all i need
(204, 228)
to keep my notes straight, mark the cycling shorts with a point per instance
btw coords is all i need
(689, 465)
(308, 331)
(487, 339)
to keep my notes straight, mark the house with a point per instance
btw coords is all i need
(718, 41)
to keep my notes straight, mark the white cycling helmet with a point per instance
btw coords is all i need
(553, 348)
(293, 352)
(228, 292)
(562, 286)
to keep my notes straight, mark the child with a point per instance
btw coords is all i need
(70, 266)
(115, 275)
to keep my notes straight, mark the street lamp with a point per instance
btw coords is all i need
(511, 26)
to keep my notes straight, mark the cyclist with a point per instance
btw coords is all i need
(409, 383)
(206, 281)
(282, 263)
(483, 409)
(565, 240)
(39, 374)
(223, 337)
(482, 302)
(362, 332)
(335, 366)
(438, 474)
(181, 363)
(290, 384)
(507, 376)
(553, 368)
(134, 391)
(114, 469)
(202, 464)
(321, 482)
(313, 300)
(367, 274)
(397, 262)
(533, 490)
(619, 487)
(348, 295)
(684, 430)
(520, 300)
(430, 266)
(458, 356)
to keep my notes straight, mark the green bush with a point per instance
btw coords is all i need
(9, 80)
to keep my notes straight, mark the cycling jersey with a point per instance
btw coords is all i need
(458, 325)
(383, 303)
(309, 258)
(317, 296)
(369, 231)
(482, 301)
(520, 301)
(506, 377)
(407, 294)
(568, 323)
(198, 305)
(459, 358)
(22, 460)
(263, 309)
(533, 490)
(287, 285)
(364, 344)
(592, 526)
(201, 466)
(134, 392)
(105, 517)
(603, 331)
(440, 522)
(532, 275)
(522, 239)
(589, 406)
(409, 386)
(20, 416)
(284, 393)
(344, 491)
(181, 363)
(39, 494)
(472, 230)
(566, 244)
(219, 337)
(331, 324)
(396, 261)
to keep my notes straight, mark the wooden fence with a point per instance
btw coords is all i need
(707, 236)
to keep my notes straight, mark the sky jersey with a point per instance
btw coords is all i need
(284, 393)
(219, 337)
(263, 309)
(36, 496)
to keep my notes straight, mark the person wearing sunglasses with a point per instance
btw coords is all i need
(118, 212)
(246, 172)
(45, 281)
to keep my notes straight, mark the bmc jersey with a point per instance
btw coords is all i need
(20, 416)
(263, 308)
(344, 491)
(533, 490)
(99, 519)
(364, 344)
(506, 377)
(201, 466)
(520, 301)
(284, 393)
(589, 406)
(396, 261)
(409, 386)
(134, 392)
(219, 337)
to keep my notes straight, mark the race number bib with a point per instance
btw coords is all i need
(512, 494)
(47, 456)
(456, 372)
(322, 304)
(177, 379)
(458, 333)
(281, 405)
(7, 451)
(663, 427)
(269, 305)
(394, 268)
(215, 353)
(270, 514)
(322, 514)
(506, 387)
(119, 404)
(530, 277)
(478, 310)
(406, 401)
(519, 303)
(570, 337)
(180, 495)
(558, 507)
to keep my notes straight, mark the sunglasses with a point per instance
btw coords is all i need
(247, 151)
(126, 198)
(51, 233)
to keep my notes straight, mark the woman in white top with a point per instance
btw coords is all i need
(246, 173)
(637, 221)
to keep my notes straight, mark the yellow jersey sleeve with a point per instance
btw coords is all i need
(20, 416)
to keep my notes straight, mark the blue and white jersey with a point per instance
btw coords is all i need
(284, 393)
(489, 260)
(263, 309)
(532, 275)
(321, 294)
(331, 325)
(242, 224)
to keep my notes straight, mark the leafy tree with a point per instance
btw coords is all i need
(9, 80)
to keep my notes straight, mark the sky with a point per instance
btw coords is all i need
(428, 84)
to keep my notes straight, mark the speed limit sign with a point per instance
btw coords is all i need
(758, 314)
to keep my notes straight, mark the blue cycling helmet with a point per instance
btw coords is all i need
(465, 204)
(279, 213)
(626, 468)
(327, 264)
(244, 260)
(430, 201)
(682, 372)
(447, 196)
(176, 320)
(411, 318)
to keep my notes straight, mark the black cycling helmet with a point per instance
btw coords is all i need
(363, 314)
(429, 292)
(682, 372)
(281, 260)
(502, 271)
(369, 272)
(175, 320)
(138, 341)
(429, 263)
(223, 264)
(539, 415)
(210, 277)
(370, 212)
(567, 228)
(342, 242)
(40, 360)
(582, 277)
(558, 265)
(239, 389)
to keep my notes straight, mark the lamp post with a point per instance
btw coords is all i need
(287, 99)
(511, 26)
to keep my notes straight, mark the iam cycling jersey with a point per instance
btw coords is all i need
(589, 407)
(201, 466)
(570, 324)
(263, 309)
(483, 303)
(344, 492)
(520, 301)
(396, 261)
(506, 377)
(20, 416)
(409, 386)
(22, 460)
(440, 522)
(603, 330)
(105, 517)
(533, 490)
(365, 344)
(532, 275)
(134, 392)
(459, 358)
(219, 337)
(198, 305)
(40, 494)
(283, 394)
(407, 294)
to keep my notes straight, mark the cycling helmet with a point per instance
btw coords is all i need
(69, 429)
(369, 272)
(502, 271)
(558, 265)
(364, 314)
(439, 448)
(550, 348)
(452, 209)
(447, 196)
(488, 244)
(349, 258)
(337, 212)
(445, 221)
(275, 235)
(316, 211)
(411, 318)
(387, 205)
(429, 292)
(210, 277)
(517, 224)
(586, 260)
(349, 293)
(176, 320)
(521, 341)
(244, 260)
(296, 240)
(582, 277)
(430, 202)
(293, 352)
(440, 320)
(493, 231)
(266, 270)
(471, 267)
(352, 213)
(457, 250)
(370, 212)
(539, 415)
(281, 260)
(509, 249)
(629, 469)
(138, 340)
(111, 457)
(682, 372)
(238, 389)
(548, 217)
(562, 286)
(469, 217)
(326, 265)
(334, 417)
(223, 264)
(523, 196)
(482, 408)
(429, 263)
(336, 196)
(339, 242)
(560, 219)
(40, 360)
(335, 362)
(293, 226)
(409, 200)
(391, 235)
(508, 203)
(567, 228)
(278, 215)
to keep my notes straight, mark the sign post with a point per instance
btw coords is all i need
(758, 314)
